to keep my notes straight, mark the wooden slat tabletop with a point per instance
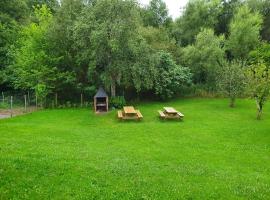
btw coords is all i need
(170, 110)
(129, 110)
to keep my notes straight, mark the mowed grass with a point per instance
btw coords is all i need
(215, 153)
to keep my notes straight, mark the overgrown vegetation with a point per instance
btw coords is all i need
(74, 46)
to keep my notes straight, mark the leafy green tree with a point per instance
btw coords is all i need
(244, 33)
(169, 77)
(156, 14)
(141, 67)
(232, 80)
(198, 14)
(158, 39)
(13, 13)
(263, 6)
(205, 57)
(259, 84)
(115, 28)
(53, 5)
(262, 53)
(61, 40)
(33, 65)
(225, 15)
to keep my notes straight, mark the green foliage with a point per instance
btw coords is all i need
(61, 41)
(169, 77)
(13, 13)
(226, 15)
(41, 91)
(232, 80)
(73, 46)
(117, 102)
(158, 39)
(53, 5)
(205, 57)
(198, 14)
(259, 84)
(262, 6)
(156, 14)
(244, 32)
(262, 53)
(113, 37)
(33, 63)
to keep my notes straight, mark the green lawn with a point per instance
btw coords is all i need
(215, 153)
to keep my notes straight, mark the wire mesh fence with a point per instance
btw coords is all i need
(13, 104)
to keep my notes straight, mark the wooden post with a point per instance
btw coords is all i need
(36, 102)
(56, 99)
(95, 107)
(25, 103)
(28, 95)
(3, 96)
(11, 105)
(107, 102)
(81, 100)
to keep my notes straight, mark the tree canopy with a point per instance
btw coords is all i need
(75, 46)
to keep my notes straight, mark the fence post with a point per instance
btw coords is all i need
(28, 95)
(11, 105)
(56, 99)
(25, 103)
(36, 102)
(3, 96)
(81, 100)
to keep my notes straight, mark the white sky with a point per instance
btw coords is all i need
(173, 6)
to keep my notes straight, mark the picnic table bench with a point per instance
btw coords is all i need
(170, 113)
(129, 113)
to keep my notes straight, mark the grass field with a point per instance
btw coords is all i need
(215, 153)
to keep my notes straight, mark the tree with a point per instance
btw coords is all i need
(232, 80)
(61, 41)
(156, 14)
(205, 57)
(34, 67)
(13, 13)
(53, 5)
(115, 28)
(259, 84)
(158, 39)
(263, 6)
(244, 33)
(225, 15)
(197, 15)
(169, 77)
(262, 53)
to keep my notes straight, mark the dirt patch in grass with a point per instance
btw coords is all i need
(6, 113)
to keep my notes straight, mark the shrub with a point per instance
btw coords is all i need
(117, 102)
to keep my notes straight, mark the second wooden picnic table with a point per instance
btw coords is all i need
(129, 113)
(170, 110)
(170, 113)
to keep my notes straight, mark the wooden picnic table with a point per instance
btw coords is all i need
(129, 110)
(170, 110)
(129, 113)
(170, 113)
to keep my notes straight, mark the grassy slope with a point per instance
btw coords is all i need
(217, 152)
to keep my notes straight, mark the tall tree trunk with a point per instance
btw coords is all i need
(232, 102)
(259, 109)
(113, 88)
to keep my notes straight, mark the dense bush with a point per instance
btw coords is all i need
(170, 77)
(117, 102)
